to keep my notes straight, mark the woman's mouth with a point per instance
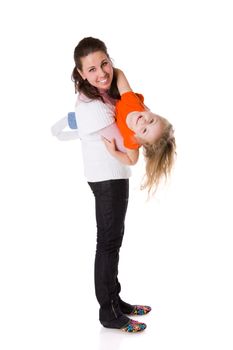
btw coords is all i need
(103, 81)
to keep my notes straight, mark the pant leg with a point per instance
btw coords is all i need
(111, 200)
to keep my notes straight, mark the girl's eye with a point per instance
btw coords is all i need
(144, 131)
(104, 63)
(92, 70)
(151, 121)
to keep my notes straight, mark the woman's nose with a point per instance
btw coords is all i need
(102, 72)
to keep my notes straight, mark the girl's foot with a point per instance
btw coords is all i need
(140, 310)
(134, 327)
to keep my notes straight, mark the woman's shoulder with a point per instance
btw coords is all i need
(92, 115)
(81, 98)
(87, 103)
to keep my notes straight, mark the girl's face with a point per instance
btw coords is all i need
(147, 126)
(97, 69)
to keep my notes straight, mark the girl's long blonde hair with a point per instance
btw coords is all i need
(159, 158)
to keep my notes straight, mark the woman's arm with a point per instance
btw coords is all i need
(112, 132)
(128, 158)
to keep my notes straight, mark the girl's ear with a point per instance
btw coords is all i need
(81, 73)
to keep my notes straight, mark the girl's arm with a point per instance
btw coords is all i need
(58, 128)
(128, 158)
(122, 82)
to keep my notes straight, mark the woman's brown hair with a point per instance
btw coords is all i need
(84, 48)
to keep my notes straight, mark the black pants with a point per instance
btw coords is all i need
(111, 200)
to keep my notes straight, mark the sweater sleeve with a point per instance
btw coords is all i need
(93, 116)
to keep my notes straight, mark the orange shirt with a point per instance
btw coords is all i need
(129, 102)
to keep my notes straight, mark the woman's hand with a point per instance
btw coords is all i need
(128, 158)
(110, 145)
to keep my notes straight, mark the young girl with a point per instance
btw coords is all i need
(140, 127)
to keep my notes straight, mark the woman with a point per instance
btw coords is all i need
(95, 80)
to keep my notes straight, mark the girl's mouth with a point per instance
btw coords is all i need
(139, 117)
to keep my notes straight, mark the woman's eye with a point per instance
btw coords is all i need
(104, 63)
(144, 131)
(92, 70)
(151, 121)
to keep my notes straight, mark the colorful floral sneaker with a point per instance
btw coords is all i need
(140, 310)
(134, 327)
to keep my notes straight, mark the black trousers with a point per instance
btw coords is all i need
(111, 200)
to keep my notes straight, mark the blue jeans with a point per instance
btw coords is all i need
(111, 200)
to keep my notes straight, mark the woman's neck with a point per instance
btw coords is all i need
(106, 97)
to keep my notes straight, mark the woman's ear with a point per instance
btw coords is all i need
(81, 73)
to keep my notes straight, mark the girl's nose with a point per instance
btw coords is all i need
(148, 120)
(143, 120)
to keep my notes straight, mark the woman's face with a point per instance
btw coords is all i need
(97, 69)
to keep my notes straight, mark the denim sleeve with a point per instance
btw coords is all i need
(72, 120)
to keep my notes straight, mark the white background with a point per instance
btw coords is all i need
(177, 250)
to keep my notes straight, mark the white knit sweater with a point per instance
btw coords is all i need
(95, 118)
